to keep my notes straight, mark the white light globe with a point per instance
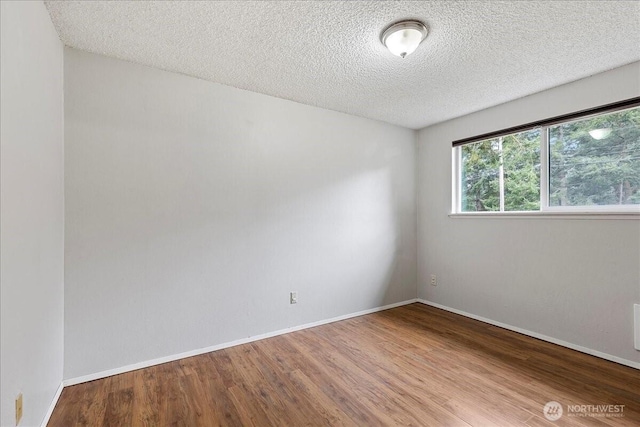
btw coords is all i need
(404, 42)
(404, 37)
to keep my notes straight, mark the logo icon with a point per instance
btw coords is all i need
(552, 411)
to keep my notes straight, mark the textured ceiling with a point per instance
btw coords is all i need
(328, 53)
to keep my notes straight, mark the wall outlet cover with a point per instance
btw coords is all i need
(18, 408)
(636, 326)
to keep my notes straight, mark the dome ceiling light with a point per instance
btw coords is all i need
(403, 37)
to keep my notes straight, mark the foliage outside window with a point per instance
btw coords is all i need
(502, 174)
(587, 164)
(596, 161)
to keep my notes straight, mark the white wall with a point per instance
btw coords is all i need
(192, 209)
(32, 210)
(572, 280)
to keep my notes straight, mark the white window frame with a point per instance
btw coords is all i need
(628, 211)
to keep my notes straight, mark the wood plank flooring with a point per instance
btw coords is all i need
(413, 365)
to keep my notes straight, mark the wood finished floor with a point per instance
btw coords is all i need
(413, 365)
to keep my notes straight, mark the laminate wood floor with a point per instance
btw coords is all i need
(413, 365)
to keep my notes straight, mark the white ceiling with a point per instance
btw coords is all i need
(328, 53)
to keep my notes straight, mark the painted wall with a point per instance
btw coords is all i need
(572, 280)
(193, 209)
(31, 210)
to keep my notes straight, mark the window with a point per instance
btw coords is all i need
(586, 161)
(502, 174)
(596, 161)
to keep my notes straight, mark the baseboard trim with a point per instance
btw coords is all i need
(54, 402)
(158, 361)
(542, 337)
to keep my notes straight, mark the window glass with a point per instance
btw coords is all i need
(501, 174)
(521, 157)
(596, 161)
(480, 189)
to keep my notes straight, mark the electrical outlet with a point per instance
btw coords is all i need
(434, 282)
(18, 408)
(293, 298)
(636, 323)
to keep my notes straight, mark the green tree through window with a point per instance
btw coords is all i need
(513, 160)
(591, 162)
(603, 170)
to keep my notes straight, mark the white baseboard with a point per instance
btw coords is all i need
(54, 402)
(579, 348)
(153, 362)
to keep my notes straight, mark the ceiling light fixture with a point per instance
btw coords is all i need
(601, 133)
(402, 38)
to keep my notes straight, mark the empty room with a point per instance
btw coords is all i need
(320, 213)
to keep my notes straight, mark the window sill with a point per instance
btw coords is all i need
(633, 215)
